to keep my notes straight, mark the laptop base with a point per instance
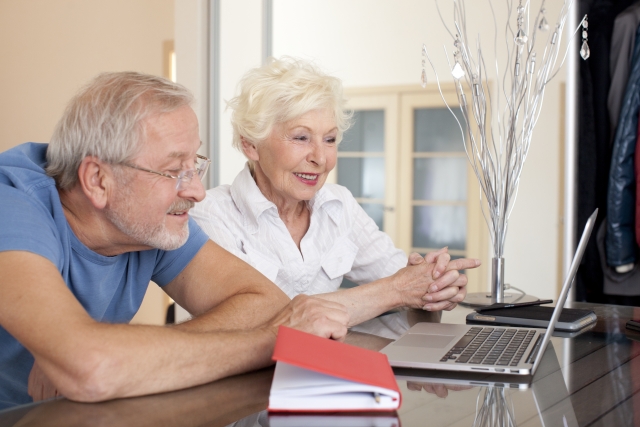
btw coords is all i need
(483, 299)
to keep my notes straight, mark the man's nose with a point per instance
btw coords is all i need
(193, 190)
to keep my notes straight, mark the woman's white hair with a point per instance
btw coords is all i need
(105, 120)
(282, 90)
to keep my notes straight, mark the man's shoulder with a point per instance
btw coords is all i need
(23, 179)
(23, 166)
(30, 155)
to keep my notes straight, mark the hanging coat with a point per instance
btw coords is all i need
(621, 196)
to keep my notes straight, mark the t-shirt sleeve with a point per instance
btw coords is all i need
(171, 263)
(27, 225)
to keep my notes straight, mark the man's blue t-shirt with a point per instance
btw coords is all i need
(109, 288)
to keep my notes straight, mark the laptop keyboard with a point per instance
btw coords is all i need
(491, 346)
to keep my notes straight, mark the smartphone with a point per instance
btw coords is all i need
(536, 316)
(500, 306)
(633, 324)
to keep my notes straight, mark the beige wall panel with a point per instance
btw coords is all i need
(49, 48)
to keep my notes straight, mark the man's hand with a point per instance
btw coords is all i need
(317, 316)
(40, 386)
(437, 278)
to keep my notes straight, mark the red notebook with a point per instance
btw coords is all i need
(317, 374)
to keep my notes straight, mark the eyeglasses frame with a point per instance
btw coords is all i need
(180, 177)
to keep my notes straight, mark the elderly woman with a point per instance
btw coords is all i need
(302, 234)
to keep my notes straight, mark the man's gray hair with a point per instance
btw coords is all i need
(105, 120)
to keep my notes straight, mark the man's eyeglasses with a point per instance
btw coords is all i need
(184, 177)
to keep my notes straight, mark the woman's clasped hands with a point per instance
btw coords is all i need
(434, 282)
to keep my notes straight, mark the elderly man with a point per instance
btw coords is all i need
(89, 220)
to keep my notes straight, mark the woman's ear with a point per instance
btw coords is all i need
(249, 149)
(94, 180)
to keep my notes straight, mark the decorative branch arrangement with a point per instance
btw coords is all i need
(497, 151)
(494, 409)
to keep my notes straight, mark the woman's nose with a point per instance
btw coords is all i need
(317, 154)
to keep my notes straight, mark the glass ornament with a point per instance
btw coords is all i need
(585, 52)
(521, 38)
(457, 71)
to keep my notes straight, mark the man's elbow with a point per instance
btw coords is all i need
(92, 378)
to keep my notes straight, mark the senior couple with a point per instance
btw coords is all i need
(90, 218)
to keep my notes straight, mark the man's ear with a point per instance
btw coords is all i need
(95, 179)
(249, 150)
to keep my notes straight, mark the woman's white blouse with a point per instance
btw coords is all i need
(342, 239)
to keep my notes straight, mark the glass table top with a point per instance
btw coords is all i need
(590, 379)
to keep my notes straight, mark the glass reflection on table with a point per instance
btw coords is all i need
(588, 379)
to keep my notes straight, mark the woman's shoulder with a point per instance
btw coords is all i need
(339, 191)
(217, 201)
(342, 194)
(221, 192)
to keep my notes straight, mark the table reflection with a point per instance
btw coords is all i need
(215, 404)
(591, 379)
(265, 419)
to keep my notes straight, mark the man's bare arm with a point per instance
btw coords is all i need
(91, 361)
(223, 292)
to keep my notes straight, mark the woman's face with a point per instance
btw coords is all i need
(293, 163)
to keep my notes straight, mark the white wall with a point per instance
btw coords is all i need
(368, 43)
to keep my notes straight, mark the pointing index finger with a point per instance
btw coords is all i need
(463, 264)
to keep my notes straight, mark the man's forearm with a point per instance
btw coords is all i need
(179, 359)
(231, 296)
(240, 312)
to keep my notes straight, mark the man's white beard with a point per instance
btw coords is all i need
(148, 234)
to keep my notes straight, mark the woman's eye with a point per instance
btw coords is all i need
(301, 138)
(331, 140)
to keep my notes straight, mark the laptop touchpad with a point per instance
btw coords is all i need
(425, 341)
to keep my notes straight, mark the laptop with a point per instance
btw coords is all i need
(548, 392)
(488, 349)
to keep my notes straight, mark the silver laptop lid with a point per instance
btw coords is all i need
(565, 288)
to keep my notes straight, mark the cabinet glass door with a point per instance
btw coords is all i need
(361, 165)
(439, 200)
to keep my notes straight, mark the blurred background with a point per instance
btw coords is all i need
(403, 160)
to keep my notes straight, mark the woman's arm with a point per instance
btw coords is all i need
(388, 281)
(412, 286)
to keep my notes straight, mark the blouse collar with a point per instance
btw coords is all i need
(252, 203)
